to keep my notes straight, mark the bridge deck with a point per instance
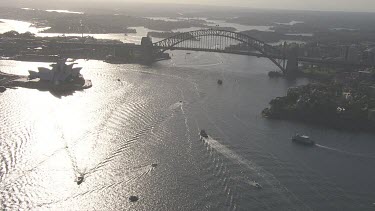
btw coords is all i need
(260, 55)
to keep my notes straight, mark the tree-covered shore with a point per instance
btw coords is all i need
(347, 104)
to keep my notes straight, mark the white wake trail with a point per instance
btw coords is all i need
(270, 180)
(345, 152)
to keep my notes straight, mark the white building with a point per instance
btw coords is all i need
(60, 72)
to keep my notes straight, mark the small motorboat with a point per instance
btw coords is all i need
(79, 179)
(133, 198)
(220, 82)
(303, 139)
(257, 185)
(203, 134)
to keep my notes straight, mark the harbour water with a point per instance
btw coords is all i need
(22, 27)
(19, 26)
(214, 23)
(65, 11)
(125, 38)
(139, 136)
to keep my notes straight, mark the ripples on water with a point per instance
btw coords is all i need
(114, 132)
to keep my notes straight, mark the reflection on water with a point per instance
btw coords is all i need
(19, 26)
(22, 27)
(187, 29)
(125, 38)
(65, 11)
(26, 8)
(214, 23)
(291, 23)
(115, 132)
(281, 42)
(239, 27)
(302, 34)
(59, 11)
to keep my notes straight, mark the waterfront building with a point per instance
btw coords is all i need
(60, 72)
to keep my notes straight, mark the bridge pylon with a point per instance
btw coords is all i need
(147, 50)
(292, 63)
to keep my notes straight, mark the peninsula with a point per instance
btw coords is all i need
(347, 102)
(62, 78)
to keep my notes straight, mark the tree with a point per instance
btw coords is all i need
(11, 34)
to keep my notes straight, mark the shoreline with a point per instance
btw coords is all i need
(343, 106)
(335, 123)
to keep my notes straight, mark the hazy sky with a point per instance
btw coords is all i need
(325, 5)
(334, 5)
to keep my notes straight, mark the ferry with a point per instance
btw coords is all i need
(303, 139)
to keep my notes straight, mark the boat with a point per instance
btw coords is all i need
(257, 185)
(79, 179)
(203, 134)
(303, 139)
(220, 82)
(133, 198)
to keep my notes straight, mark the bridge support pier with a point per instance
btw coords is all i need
(292, 63)
(147, 50)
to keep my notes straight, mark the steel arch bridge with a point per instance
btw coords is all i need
(216, 40)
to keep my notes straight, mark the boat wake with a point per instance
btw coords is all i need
(176, 105)
(268, 180)
(254, 184)
(345, 152)
(143, 171)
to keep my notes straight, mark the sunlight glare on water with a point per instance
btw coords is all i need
(139, 136)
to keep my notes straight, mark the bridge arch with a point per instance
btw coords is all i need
(274, 54)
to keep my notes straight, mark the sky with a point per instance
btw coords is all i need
(330, 5)
(317, 5)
